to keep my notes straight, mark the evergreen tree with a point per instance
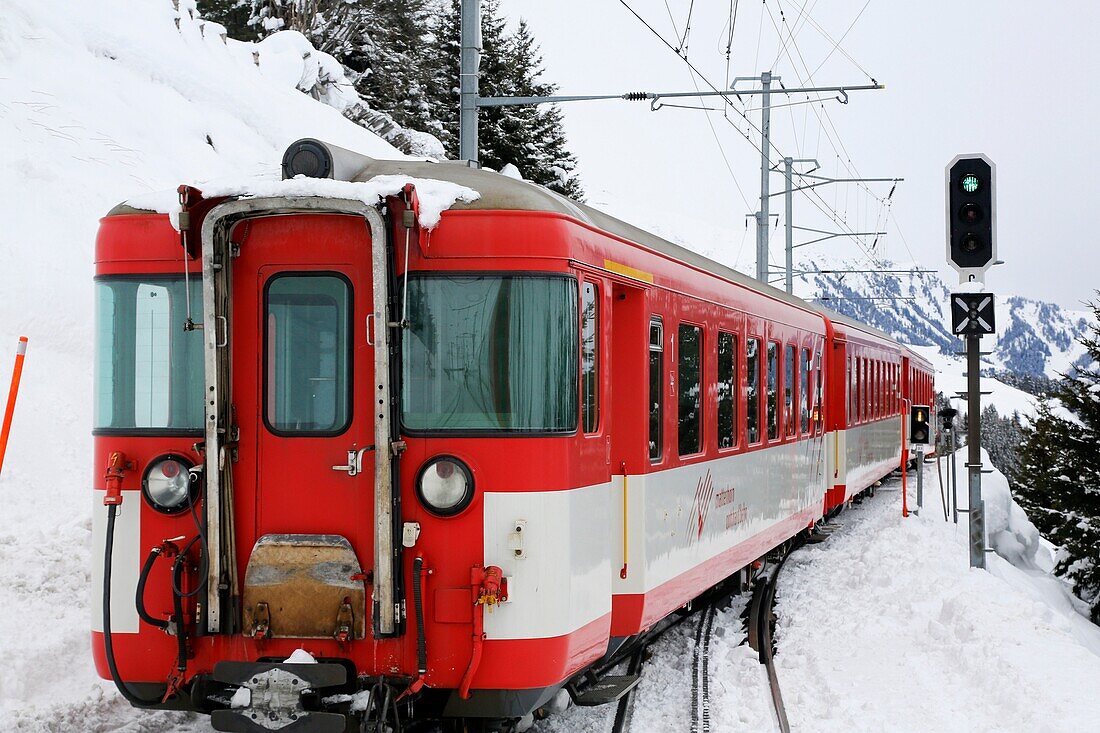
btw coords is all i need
(233, 14)
(1058, 479)
(530, 138)
(1001, 437)
(548, 162)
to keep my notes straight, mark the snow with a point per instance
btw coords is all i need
(300, 656)
(435, 197)
(881, 628)
(242, 698)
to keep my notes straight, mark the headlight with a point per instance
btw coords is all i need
(445, 486)
(167, 484)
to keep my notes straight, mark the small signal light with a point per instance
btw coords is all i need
(970, 183)
(918, 425)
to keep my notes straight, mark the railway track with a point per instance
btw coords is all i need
(759, 618)
(759, 627)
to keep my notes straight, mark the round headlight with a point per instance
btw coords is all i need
(167, 484)
(445, 486)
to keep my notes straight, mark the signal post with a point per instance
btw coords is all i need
(919, 436)
(972, 250)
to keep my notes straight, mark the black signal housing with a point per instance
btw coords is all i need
(971, 225)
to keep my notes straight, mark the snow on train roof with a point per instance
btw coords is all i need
(461, 186)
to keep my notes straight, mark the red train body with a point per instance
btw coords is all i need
(619, 425)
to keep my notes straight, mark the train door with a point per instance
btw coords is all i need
(630, 345)
(301, 374)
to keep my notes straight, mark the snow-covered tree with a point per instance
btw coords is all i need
(1058, 478)
(547, 161)
(233, 14)
(1001, 436)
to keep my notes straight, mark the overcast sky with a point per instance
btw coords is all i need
(1015, 80)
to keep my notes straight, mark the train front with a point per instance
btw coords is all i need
(277, 550)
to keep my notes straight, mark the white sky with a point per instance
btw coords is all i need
(1015, 80)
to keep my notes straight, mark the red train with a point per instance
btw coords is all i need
(459, 467)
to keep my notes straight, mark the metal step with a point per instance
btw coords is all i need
(607, 689)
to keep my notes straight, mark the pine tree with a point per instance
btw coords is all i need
(528, 137)
(233, 14)
(388, 55)
(1001, 437)
(1058, 479)
(548, 161)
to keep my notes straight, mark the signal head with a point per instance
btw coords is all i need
(971, 225)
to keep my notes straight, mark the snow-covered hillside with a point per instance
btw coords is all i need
(100, 102)
(1032, 337)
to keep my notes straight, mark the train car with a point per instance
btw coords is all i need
(864, 409)
(353, 463)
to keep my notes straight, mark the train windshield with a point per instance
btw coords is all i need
(148, 370)
(490, 354)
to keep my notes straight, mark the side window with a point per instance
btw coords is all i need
(590, 357)
(819, 407)
(656, 368)
(307, 355)
(857, 413)
(865, 373)
(773, 390)
(727, 390)
(876, 396)
(689, 373)
(790, 364)
(752, 393)
(851, 390)
(807, 396)
(882, 389)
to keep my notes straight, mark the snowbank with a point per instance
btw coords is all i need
(1009, 532)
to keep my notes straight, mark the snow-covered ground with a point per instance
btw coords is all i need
(884, 627)
(100, 102)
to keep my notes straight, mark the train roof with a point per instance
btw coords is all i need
(849, 322)
(499, 192)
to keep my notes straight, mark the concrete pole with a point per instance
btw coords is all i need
(762, 216)
(788, 166)
(468, 82)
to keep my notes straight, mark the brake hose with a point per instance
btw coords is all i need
(139, 599)
(108, 646)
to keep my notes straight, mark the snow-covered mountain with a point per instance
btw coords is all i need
(1033, 337)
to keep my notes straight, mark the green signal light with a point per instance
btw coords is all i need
(970, 183)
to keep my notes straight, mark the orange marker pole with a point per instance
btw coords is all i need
(20, 354)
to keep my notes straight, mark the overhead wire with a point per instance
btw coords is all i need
(687, 30)
(810, 194)
(672, 19)
(849, 165)
(836, 44)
